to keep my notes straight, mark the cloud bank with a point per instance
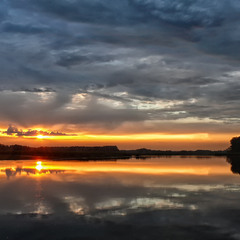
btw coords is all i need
(111, 64)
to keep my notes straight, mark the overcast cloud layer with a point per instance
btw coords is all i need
(107, 64)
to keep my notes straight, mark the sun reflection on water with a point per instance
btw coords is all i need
(39, 166)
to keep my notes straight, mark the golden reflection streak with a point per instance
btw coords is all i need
(130, 168)
(39, 166)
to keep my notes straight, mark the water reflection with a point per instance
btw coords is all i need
(182, 192)
(37, 170)
(235, 163)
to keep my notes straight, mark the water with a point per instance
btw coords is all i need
(155, 198)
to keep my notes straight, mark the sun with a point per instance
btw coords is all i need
(41, 136)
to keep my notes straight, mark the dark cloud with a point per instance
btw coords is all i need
(4, 10)
(24, 29)
(39, 90)
(69, 60)
(95, 11)
(187, 13)
(31, 132)
(131, 57)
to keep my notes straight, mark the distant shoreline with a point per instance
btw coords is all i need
(82, 153)
(105, 157)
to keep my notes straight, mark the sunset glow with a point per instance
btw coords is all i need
(127, 141)
(41, 137)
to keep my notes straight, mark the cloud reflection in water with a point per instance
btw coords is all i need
(97, 190)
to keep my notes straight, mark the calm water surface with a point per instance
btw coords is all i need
(155, 198)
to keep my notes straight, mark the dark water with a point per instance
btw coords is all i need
(157, 198)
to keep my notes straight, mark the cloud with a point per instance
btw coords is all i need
(200, 13)
(188, 13)
(129, 58)
(4, 10)
(39, 90)
(70, 60)
(30, 132)
(24, 29)
(95, 11)
(61, 108)
(36, 90)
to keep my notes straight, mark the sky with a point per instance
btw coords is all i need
(161, 74)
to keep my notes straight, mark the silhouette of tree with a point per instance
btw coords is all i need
(235, 145)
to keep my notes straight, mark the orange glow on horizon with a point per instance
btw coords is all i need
(157, 140)
(143, 136)
(151, 136)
